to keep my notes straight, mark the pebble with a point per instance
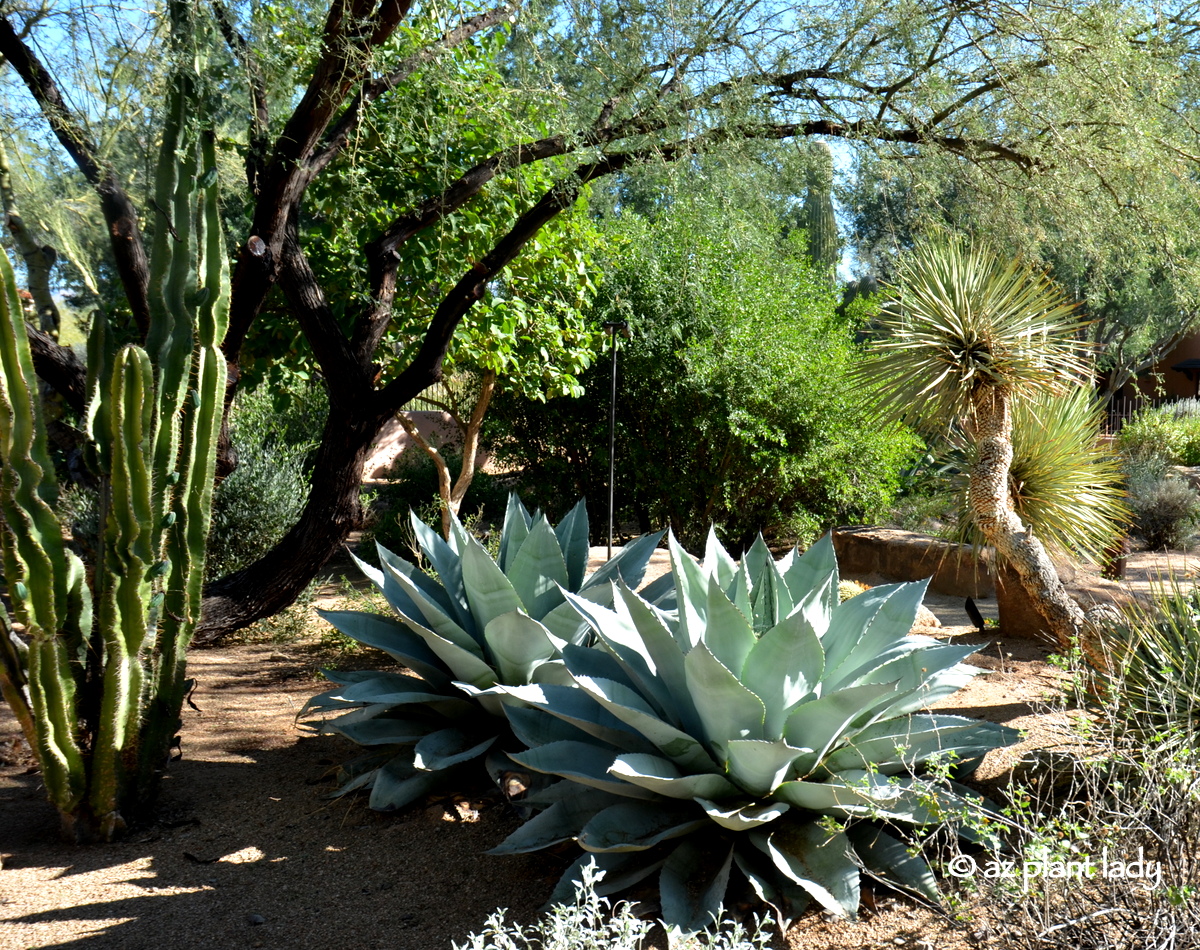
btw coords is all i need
(255, 919)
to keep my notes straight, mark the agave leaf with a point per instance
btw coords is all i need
(455, 606)
(857, 793)
(565, 623)
(637, 826)
(435, 618)
(488, 591)
(816, 570)
(514, 530)
(717, 562)
(907, 742)
(562, 821)
(784, 897)
(535, 727)
(818, 861)
(445, 560)
(729, 710)
(664, 657)
(738, 591)
(691, 594)
(617, 630)
(663, 776)
(447, 747)
(519, 645)
(398, 784)
(889, 858)
(744, 817)
(692, 885)
(573, 539)
(466, 665)
(581, 762)
(818, 724)
(660, 592)
(596, 662)
(784, 666)
(758, 766)
(388, 689)
(572, 705)
(923, 677)
(849, 622)
(888, 626)
(490, 698)
(628, 564)
(394, 638)
(728, 634)
(538, 570)
(391, 591)
(382, 730)
(624, 703)
(770, 598)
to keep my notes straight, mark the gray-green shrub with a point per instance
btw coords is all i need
(275, 437)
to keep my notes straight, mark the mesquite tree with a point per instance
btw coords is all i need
(601, 87)
(98, 679)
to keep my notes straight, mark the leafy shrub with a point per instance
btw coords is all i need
(761, 725)
(1169, 433)
(482, 624)
(1166, 509)
(260, 501)
(734, 404)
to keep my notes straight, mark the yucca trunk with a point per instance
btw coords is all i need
(992, 509)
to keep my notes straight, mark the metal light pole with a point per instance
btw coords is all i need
(613, 327)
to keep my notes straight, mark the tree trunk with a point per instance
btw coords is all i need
(275, 580)
(991, 507)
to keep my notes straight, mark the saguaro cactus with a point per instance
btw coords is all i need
(97, 678)
(823, 245)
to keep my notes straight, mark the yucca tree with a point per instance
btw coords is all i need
(967, 335)
(1065, 481)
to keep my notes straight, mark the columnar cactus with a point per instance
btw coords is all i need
(823, 245)
(98, 679)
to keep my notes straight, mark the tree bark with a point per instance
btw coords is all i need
(991, 507)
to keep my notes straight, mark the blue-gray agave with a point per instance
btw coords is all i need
(691, 745)
(481, 624)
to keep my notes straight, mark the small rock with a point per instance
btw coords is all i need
(255, 919)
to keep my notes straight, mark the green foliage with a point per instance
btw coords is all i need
(735, 405)
(413, 143)
(482, 624)
(99, 686)
(1169, 433)
(762, 726)
(255, 506)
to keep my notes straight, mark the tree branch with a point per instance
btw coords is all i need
(120, 214)
(336, 140)
(260, 117)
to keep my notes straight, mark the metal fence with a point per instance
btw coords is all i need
(438, 392)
